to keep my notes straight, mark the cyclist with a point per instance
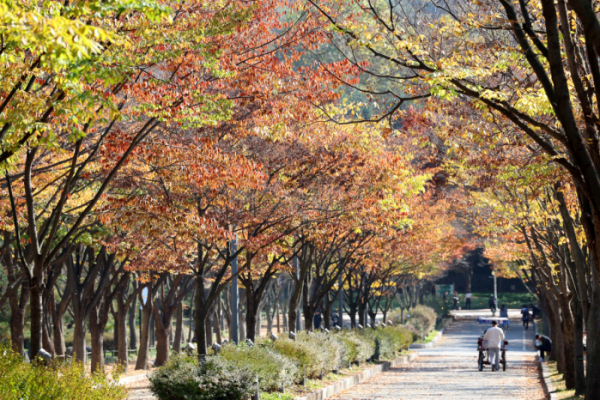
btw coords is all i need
(525, 317)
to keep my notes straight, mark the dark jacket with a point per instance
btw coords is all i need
(492, 302)
(545, 342)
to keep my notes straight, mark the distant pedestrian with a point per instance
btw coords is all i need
(335, 320)
(468, 301)
(493, 304)
(455, 301)
(317, 319)
(525, 317)
(494, 337)
(545, 345)
(504, 314)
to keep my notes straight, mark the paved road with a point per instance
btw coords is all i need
(449, 371)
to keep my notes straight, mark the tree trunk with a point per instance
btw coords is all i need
(258, 326)
(284, 314)
(178, 329)
(468, 277)
(121, 323)
(132, 327)
(362, 308)
(152, 335)
(115, 332)
(163, 318)
(294, 306)
(250, 315)
(269, 316)
(47, 341)
(569, 350)
(242, 327)
(209, 332)
(192, 315)
(97, 333)
(79, 346)
(18, 303)
(162, 344)
(558, 348)
(277, 315)
(143, 354)
(217, 326)
(59, 334)
(593, 344)
(57, 311)
(578, 349)
(200, 318)
(36, 313)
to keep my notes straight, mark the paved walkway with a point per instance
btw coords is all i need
(449, 371)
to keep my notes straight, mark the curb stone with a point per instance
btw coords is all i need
(349, 382)
(549, 388)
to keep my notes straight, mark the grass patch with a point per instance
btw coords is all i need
(276, 396)
(559, 384)
(428, 338)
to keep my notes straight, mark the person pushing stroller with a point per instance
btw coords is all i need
(493, 339)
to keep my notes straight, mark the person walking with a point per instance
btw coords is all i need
(492, 303)
(455, 301)
(504, 314)
(525, 317)
(468, 301)
(493, 339)
(544, 346)
(317, 319)
(335, 320)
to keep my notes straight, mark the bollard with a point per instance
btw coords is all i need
(257, 388)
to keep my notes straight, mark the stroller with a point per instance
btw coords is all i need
(484, 356)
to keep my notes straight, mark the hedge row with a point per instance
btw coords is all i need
(420, 320)
(233, 372)
(58, 381)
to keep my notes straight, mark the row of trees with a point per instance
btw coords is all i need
(149, 148)
(511, 93)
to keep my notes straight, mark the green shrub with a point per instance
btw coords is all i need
(215, 379)
(389, 340)
(423, 318)
(315, 353)
(330, 349)
(355, 347)
(21, 380)
(302, 353)
(272, 368)
(414, 331)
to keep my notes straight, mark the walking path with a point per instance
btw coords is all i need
(449, 371)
